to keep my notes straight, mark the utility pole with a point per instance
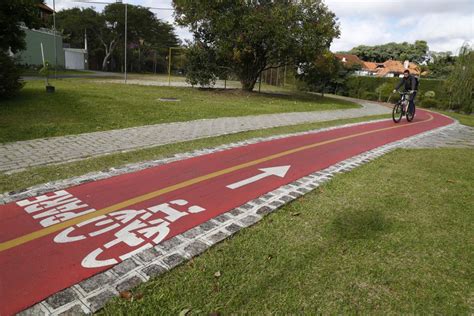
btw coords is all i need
(55, 44)
(125, 43)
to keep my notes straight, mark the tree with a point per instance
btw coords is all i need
(322, 72)
(12, 39)
(106, 31)
(252, 36)
(441, 65)
(416, 52)
(460, 84)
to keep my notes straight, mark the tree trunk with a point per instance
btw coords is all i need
(108, 53)
(248, 85)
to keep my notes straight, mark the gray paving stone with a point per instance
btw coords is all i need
(75, 310)
(218, 237)
(124, 267)
(95, 282)
(154, 270)
(207, 226)
(35, 310)
(149, 254)
(193, 232)
(171, 243)
(128, 284)
(264, 210)
(222, 218)
(195, 248)
(61, 298)
(173, 260)
(249, 220)
(232, 228)
(98, 301)
(236, 212)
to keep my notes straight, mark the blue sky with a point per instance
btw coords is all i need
(446, 25)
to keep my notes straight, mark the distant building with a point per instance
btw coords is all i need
(34, 38)
(76, 58)
(390, 68)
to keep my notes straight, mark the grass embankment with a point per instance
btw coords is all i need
(383, 239)
(44, 174)
(80, 106)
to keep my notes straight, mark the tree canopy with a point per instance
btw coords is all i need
(416, 52)
(12, 13)
(106, 31)
(249, 37)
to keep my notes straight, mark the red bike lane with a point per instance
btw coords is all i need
(50, 242)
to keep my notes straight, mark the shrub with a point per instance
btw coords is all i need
(10, 82)
(384, 91)
(430, 103)
(370, 96)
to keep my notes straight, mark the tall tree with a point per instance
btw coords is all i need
(12, 13)
(253, 36)
(12, 39)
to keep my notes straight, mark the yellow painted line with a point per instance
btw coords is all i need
(51, 229)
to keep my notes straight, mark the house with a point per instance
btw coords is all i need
(389, 68)
(350, 61)
(49, 39)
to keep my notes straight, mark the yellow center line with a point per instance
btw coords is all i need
(54, 228)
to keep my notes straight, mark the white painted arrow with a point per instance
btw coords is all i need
(266, 172)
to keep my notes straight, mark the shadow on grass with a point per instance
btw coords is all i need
(360, 225)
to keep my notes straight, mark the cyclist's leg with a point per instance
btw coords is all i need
(412, 102)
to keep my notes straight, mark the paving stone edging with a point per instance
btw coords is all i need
(91, 294)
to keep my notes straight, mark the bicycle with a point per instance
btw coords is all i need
(402, 108)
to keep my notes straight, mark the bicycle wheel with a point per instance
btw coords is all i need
(411, 114)
(397, 112)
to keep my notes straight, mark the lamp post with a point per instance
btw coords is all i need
(55, 44)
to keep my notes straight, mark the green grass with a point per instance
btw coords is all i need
(383, 239)
(81, 106)
(44, 174)
(464, 119)
(35, 73)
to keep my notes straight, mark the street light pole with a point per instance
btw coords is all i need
(55, 40)
(125, 43)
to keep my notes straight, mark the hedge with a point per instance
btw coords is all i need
(370, 88)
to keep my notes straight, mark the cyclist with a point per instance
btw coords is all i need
(410, 84)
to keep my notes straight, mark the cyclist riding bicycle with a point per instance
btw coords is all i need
(410, 84)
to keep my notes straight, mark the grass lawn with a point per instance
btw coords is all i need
(35, 73)
(81, 106)
(465, 119)
(382, 239)
(44, 174)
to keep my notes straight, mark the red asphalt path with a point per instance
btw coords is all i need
(51, 242)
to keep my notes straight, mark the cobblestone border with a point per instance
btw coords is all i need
(93, 293)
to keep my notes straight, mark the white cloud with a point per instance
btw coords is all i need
(445, 25)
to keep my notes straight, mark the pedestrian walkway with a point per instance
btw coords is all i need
(18, 156)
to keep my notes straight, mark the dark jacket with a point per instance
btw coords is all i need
(408, 82)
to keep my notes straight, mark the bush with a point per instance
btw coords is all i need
(384, 91)
(430, 103)
(430, 94)
(372, 96)
(365, 87)
(10, 82)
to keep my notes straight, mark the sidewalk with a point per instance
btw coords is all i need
(18, 156)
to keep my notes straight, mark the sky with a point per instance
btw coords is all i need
(445, 25)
